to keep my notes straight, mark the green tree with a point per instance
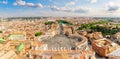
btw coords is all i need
(38, 33)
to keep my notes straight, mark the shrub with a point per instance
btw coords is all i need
(38, 33)
(64, 22)
(48, 23)
(0, 31)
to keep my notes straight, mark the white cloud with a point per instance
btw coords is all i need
(54, 8)
(112, 6)
(3, 2)
(78, 9)
(28, 4)
(81, 9)
(15, 4)
(70, 3)
(20, 2)
(39, 5)
(93, 1)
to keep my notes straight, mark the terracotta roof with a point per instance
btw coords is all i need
(61, 56)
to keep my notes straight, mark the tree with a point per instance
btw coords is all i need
(38, 33)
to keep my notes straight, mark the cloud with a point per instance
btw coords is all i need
(81, 9)
(20, 2)
(55, 8)
(112, 6)
(93, 1)
(28, 4)
(3, 2)
(70, 3)
(39, 5)
(78, 9)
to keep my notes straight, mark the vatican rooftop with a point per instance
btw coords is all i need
(55, 38)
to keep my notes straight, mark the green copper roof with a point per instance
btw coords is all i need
(16, 36)
(2, 40)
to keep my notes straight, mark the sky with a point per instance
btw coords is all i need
(62, 8)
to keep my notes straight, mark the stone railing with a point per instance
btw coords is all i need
(83, 43)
